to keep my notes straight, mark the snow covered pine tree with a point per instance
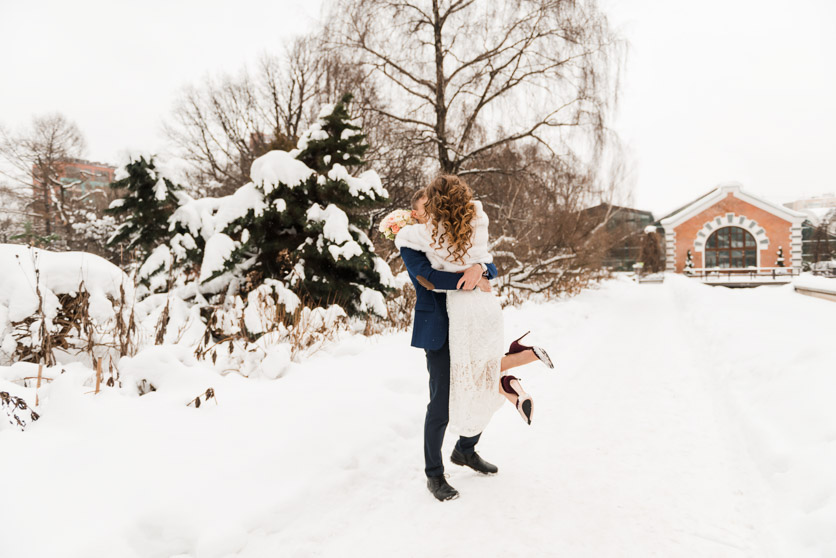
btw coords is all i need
(307, 229)
(339, 260)
(149, 202)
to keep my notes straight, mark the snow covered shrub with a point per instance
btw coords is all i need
(70, 303)
(400, 307)
(262, 335)
(269, 306)
(400, 304)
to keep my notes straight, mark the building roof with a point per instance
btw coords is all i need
(85, 162)
(687, 205)
(617, 208)
(713, 196)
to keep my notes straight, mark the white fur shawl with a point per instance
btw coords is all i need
(419, 237)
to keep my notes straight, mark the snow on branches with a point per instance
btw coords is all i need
(300, 221)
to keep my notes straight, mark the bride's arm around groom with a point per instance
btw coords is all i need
(430, 328)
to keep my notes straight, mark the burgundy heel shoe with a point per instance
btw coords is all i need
(539, 352)
(524, 402)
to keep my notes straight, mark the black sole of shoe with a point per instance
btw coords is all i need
(526, 407)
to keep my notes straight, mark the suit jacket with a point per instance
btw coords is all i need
(429, 331)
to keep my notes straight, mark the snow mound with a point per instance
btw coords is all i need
(172, 370)
(26, 271)
(810, 281)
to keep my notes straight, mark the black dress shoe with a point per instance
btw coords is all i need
(440, 489)
(473, 461)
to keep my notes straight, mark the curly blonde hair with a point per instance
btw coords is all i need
(451, 211)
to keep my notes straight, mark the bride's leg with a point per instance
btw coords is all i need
(517, 359)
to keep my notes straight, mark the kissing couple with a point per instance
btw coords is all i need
(458, 323)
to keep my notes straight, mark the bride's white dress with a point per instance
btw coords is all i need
(476, 336)
(476, 330)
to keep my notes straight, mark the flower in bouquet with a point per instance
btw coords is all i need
(394, 222)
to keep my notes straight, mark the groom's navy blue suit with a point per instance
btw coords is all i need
(429, 332)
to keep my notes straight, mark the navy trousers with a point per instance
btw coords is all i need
(438, 365)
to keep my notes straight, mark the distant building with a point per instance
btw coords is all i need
(819, 234)
(820, 211)
(825, 201)
(84, 183)
(729, 228)
(84, 179)
(623, 225)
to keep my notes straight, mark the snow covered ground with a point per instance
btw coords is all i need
(681, 420)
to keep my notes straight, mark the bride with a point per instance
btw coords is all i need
(452, 231)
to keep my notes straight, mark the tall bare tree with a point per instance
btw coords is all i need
(225, 123)
(473, 75)
(35, 158)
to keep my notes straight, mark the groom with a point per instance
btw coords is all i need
(429, 332)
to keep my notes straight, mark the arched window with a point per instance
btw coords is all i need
(731, 247)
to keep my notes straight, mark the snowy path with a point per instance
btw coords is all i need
(641, 426)
(637, 449)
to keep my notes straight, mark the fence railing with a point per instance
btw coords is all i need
(743, 273)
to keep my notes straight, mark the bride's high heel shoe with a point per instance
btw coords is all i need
(539, 352)
(525, 403)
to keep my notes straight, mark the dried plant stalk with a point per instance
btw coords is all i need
(207, 395)
(98, 374)
(38, 385)
(162, 325)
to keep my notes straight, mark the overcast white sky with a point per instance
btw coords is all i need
(714, 91)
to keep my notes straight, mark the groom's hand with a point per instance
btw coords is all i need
(470, 278)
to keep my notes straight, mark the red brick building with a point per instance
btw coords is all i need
(81, 179)
(75, 185)
(729, 228)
